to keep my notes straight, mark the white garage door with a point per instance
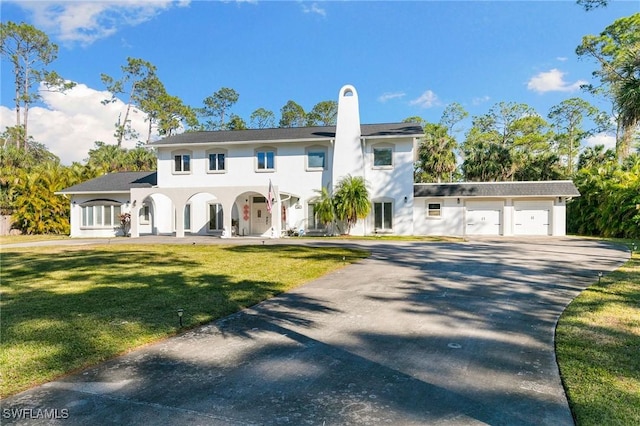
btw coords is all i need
(484, 218)
(532, 218)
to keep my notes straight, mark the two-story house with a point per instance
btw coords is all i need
(264, 182)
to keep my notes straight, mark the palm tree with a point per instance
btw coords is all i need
(351, 200)
(324, 207)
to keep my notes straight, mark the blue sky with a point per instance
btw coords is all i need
(404, 58)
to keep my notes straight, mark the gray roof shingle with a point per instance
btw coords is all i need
(115, 182)
(289, 133)
(557, 188)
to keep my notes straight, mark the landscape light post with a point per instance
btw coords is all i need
(180, 312)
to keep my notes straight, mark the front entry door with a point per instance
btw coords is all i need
(260, 217)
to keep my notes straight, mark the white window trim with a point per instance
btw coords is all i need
(187, 209)
(226, 158)
(316, 148)
(265, 149)
(115, 219)
(373, 156)
(318, 225)
(373, 215)
(145, 220)
(427, 210)
(220, 225)
(181, 153)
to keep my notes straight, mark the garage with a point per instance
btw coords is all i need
(484, 218)
(532, 217)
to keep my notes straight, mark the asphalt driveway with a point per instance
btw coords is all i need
(436, 333)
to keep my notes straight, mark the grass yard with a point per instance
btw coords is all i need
(64, 308)
(598, 350)
(12, 239)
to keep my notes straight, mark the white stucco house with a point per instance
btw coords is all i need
(263, 182)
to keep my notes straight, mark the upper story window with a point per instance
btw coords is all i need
(316, 158)
(265, 159)
(383, 156)
(182, 162)
(217, 161)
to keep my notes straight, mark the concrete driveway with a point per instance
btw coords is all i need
(437, 333)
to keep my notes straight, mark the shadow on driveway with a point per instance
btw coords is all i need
(435, 333)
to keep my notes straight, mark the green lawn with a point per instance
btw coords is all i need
(64, 308)
(598, 350)
(14, 239)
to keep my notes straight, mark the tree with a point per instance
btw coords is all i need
(568, 118)
(138, 82)
(617, 52)
(236, 123)
(608, 205)
(30, 52)
(106, 158)
(262, 119)
(351, 199)
(140, 159)
(502, 144)
(589, 5)
(292, 115)
(323, 113)
(216, 107)
(436, 155)
(595, 156)
(453, 114)
(415, 119)
(485, 160)
(324, 207)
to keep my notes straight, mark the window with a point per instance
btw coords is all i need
(312, 217)
(145, 214)
(186, 220)
(100, 216)
(382, 157)
(187, 217)
(216, 218)
(182, 163)
(216, 162)
(316, 158)
(265, 159)
(434, 209)
(382, 216)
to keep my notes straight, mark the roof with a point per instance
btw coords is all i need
(114, 182)
(288, 134)
(556, 188)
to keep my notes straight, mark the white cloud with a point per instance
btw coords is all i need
(553, 81)
(608, 140)
(389, 96)
(84, 22)
(71, 122)
(480, 100)
(314, 8)
(427, 100)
